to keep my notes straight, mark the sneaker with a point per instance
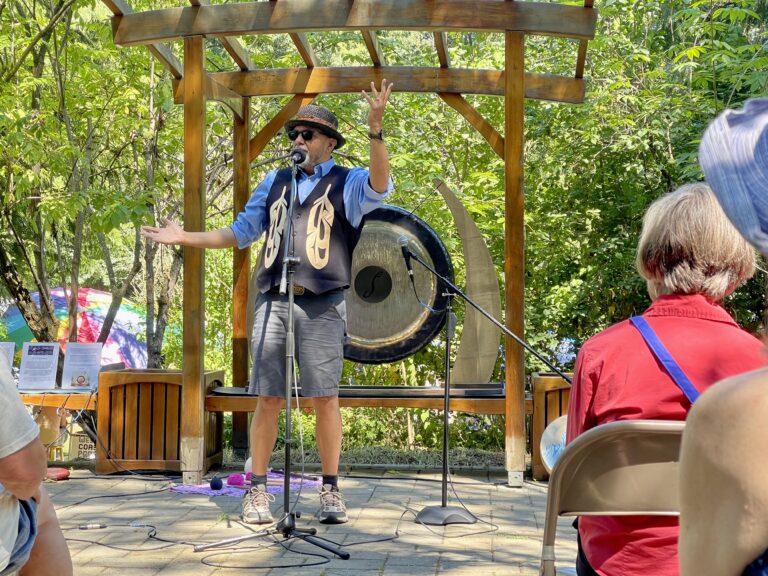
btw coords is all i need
(256, 505)
(333, 510)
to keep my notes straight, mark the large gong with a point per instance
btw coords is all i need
(386, 318)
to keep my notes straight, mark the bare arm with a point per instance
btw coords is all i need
(379, 168)
(22, 472)
(172, 233)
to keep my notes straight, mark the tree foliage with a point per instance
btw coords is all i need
(91, 148)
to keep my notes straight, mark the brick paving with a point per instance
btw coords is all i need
(381, 536)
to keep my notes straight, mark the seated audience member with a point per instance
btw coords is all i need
(723, 478)
(691, 258)
(31, 541)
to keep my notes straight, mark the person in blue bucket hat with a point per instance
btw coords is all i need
(723, 479)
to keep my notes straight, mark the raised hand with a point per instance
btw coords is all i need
(377, 101)
(172, 233)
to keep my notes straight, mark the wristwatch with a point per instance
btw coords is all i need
(376, 135)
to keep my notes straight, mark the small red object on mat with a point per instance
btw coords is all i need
(57, 473)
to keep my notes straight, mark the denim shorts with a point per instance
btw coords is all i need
(25, 538)
(319, 328)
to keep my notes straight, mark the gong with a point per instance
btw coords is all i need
(387, 319)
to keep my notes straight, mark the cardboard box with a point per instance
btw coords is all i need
(81, 447)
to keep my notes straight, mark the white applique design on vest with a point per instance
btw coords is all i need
(319, 226)
(277, 216)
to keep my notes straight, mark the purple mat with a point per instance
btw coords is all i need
(275, 481)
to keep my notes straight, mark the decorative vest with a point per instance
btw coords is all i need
(323, 237)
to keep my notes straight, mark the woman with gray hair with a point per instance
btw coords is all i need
(723, 479)
(691, 258)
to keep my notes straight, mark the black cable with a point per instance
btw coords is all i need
(206, 560)
(59, 508)
(435, 480)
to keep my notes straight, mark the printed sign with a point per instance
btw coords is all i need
(38, 365)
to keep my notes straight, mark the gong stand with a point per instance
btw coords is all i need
(444, 514)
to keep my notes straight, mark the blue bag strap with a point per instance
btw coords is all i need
(665, 358)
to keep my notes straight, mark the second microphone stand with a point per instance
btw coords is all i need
(444, 514)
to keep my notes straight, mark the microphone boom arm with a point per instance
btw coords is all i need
(480, 309)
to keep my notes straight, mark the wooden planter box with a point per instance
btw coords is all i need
(550, 401)
(139, 417)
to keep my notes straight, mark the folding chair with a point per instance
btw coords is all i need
(623, 468)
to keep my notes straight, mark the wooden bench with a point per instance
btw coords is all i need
(477, 401)
(138, 413)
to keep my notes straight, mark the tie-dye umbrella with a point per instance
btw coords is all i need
(122, 344)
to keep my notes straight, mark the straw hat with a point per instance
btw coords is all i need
(320, 118)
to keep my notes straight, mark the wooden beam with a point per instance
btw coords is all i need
(231, 45)
(214, 91)
(277, 82)
(514, 253)
(192, 429)
(458, 103)
(260, 141)
(581, 58)
(162, 53)
(303, 46)
(241, 271)
(220, 93)
(372, 43)
(441, 45)
(294, 16)
(305, 49)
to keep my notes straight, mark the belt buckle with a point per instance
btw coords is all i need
(298, 289)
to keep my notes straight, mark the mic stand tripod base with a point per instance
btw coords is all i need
(444, 515)
(287, 527)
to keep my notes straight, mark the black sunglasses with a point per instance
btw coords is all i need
(307, 135)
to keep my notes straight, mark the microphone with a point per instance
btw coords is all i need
(298, 155)
(404, 242)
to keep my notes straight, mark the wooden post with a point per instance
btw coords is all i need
(241, 260)
(514, 253)
(192, 430)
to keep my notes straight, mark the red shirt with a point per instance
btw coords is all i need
(618, 378)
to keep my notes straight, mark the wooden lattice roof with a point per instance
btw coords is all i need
(226, 22)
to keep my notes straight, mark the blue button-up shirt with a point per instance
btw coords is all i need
(359, 199)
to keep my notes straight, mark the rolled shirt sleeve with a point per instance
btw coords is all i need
(252, 221)
(359, 197)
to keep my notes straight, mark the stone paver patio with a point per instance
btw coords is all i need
(381, 536)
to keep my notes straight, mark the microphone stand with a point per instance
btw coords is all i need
(444, 514)
(287, 524)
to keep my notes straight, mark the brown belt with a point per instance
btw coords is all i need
(298, 290)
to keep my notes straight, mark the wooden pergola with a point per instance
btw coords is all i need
(194, 86)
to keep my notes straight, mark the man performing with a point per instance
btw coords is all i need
(331, 203)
